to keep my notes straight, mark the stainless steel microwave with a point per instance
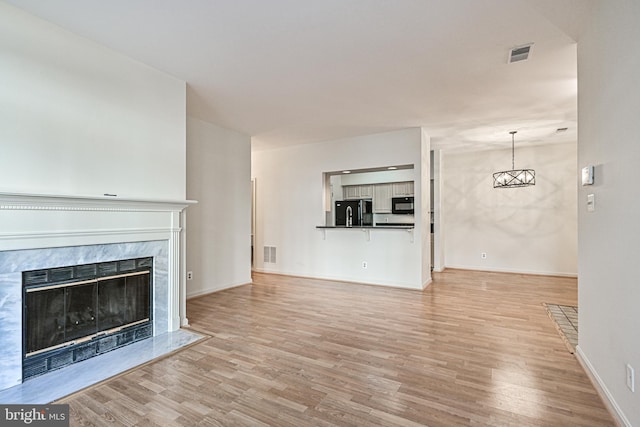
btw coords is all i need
(402, 205)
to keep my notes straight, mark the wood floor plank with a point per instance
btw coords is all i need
(473, 349)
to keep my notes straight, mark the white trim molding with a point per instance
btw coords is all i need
(39, 221)
(602, 389)
(28, 201)
(175, 304)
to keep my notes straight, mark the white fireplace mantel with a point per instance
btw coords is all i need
(9, 201)
(46, 226)
(29, 221)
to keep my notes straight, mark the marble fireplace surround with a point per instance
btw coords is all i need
(44, 231)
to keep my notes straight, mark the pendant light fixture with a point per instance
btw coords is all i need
(514, 177)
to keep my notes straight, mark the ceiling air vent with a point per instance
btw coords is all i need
(520, 53)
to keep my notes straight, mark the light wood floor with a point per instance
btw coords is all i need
(473, 349)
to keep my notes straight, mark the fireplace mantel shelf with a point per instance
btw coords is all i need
(30, 201)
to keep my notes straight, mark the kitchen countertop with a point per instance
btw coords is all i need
(395, 224)
(367, 227)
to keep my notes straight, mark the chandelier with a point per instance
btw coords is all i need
(514, 177)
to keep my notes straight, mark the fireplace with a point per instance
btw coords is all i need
(76, 312)
(51, 232)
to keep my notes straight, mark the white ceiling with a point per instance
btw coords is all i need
(302, 71)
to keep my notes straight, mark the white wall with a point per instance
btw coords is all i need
(77, 118)
(526, 230)
(608, 285)
(219, 226)
(290, 206)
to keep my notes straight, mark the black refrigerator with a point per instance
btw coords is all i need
(354, 213)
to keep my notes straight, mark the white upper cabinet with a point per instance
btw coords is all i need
(366, 191)
(382, 194)
(401, 189)
(351, 192)
(357, 191)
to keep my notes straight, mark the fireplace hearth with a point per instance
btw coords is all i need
(73, 313)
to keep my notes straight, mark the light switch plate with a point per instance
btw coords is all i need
(591, 202)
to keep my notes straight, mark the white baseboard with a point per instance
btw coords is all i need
(602, 389)
(340, 279)
(508, 270)
(213, 291)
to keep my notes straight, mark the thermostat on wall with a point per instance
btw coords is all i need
(587, 175)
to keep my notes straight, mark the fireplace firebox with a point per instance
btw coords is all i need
(73, 313)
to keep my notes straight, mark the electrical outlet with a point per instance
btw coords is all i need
(189, 275)
(483, 255)
(631, 378)
(364, 264)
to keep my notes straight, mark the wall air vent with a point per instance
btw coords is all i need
(269, 254)
(520, 53)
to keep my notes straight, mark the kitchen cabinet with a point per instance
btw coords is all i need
(357, 191)
(401, 189)
(366, 191)
(350, 192)
(382, 194)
